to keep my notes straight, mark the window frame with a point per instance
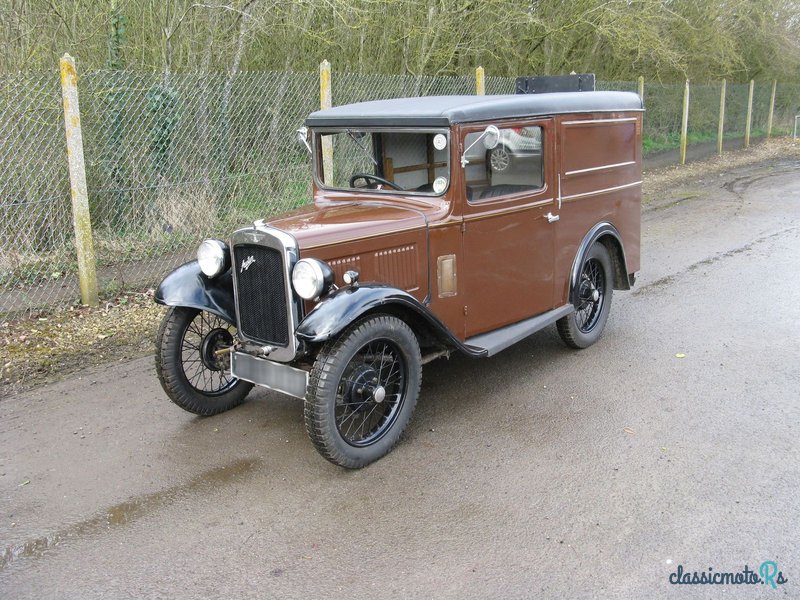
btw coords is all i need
(318, 132)
(546, 125)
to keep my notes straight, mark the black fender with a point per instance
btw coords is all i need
(618, 260)
(342, 307)
(188, 286)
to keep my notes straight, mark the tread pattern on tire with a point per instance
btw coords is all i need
(322, 382)
(171, 376)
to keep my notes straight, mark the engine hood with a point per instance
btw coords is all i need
(343, 223)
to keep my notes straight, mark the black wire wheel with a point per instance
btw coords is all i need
(592, 296)
(193, 362)
(363, 390)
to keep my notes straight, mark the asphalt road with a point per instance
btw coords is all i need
(539, 473)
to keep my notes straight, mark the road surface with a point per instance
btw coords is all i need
(539, 473)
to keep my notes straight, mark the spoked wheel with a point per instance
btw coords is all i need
(363, 390)
(190, 366)
(595, 288)
(499, 159)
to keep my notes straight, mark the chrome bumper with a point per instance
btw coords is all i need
(275, 376)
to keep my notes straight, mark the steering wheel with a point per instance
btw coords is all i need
(367, 177)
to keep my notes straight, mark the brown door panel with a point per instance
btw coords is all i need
(509, 268)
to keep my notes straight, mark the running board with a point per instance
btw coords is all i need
(495, 341)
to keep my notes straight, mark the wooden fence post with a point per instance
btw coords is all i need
(324, 103)
(771, 108)
(81, 219)
(480, 82)
(721, 127)
(641, 87)
(685, 123)
(749, 114)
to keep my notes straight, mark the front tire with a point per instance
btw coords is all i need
(191, 372)
(363, 390)
(584, 327)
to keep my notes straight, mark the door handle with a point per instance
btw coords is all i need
(551, 218)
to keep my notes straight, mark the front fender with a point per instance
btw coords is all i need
(187, 286)
(344, 306)
(341, 308)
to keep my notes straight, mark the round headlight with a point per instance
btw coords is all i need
(311, 278)
(213, 257)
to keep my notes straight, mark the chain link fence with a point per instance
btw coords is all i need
(171, 160)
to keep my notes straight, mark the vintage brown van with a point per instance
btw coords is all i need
(439, 225)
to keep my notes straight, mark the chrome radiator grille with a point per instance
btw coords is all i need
(261, 294)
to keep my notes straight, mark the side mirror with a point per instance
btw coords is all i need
(490, 137)
(302, 137)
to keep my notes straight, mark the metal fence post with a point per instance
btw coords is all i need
(685, 123)
(480, 82)
(641, 87)
(771, 108)
(749, 114)
(721, 126)
(324, 103)
(81, 219)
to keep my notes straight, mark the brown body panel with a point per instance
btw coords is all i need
(600, 165)
(509, 261)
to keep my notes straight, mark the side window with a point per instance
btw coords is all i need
(515, 165)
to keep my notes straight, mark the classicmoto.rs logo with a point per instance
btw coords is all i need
(767, 574)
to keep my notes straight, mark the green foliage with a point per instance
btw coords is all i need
(664, 40)
(162, 105)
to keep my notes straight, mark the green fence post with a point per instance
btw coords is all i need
(81, 219)
(480, 82)
(749, 114)
(721, 126)
(325, 102)
(685, 122)
(771, 108)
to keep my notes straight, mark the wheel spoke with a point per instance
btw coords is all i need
(202, 338)
(360, 419)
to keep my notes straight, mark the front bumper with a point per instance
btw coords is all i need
(275, 376)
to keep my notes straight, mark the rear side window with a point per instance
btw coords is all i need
(514, 166)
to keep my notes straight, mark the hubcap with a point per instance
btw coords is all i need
(217, 339)
(379, 394)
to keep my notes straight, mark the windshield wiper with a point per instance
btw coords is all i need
(366, 152)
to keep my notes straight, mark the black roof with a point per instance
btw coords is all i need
(442, 111)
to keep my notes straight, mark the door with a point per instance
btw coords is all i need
(509, 231)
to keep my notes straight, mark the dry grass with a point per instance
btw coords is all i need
(42, 346)
(660, 181)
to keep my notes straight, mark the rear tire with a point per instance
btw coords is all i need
(191, 373)
(363, 390)
(584, 327)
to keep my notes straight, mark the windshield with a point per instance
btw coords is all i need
(385, 160)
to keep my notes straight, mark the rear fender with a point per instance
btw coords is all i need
(187, 286)
(608, 235)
